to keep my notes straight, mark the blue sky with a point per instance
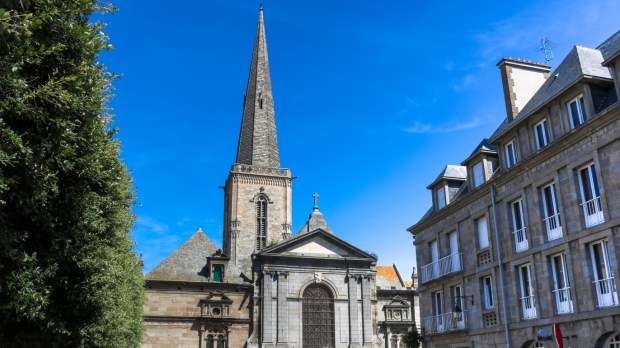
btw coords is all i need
(372, 100)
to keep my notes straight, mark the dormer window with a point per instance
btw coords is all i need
(576, 112)
(478, 174)
(511, 154)
(542, 134)
(217, 273)
(441, 198)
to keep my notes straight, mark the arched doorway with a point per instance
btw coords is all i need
(318, 317)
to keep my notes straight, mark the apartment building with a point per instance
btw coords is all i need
(524, 233)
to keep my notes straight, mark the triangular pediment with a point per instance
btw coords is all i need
(216, 297)
(318, 243)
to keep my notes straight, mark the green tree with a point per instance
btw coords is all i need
(68, 275)
(413, 339)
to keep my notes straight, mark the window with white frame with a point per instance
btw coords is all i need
(511, 153)
(541, 130)
(518, 226)
(487, 286)
(478, 174)
(437, 312)
(576, 112)
(527, 292)
(483, 232)
(551, 212)
(604, 281)
(441, 198)
(590, 196)
(561, 286)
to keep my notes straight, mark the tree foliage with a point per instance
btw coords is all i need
(413, 339)
(68, 276)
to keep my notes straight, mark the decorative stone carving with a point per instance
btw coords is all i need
(318, 276)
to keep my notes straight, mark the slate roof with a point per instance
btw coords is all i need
(388, 277)
(580, 62)
(610, 47)
(484, 147)
(186, 263)
(315, 221)
(451, 172)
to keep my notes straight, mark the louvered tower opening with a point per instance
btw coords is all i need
(261, 223)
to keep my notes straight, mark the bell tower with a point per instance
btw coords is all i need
(257, 195)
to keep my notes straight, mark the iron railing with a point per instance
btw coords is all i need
(449, 264)
(563, 300)
(593, 212)
(520, 240)
(529, 309)
(445, 322)
(606, 292)
(554, 227)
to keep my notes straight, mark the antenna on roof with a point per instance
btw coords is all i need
(547, 47)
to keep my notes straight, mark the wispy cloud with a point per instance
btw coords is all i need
(421, 127)
(464, 82)
(147, 224)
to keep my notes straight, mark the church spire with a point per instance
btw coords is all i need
(258, 141)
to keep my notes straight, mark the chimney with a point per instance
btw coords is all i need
(521, 79)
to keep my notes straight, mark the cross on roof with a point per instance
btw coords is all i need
(316, 201)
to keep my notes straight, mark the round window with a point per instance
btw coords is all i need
(216, 311)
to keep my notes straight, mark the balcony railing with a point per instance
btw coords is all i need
(449, 264)
(529, 309)
(606, 292)
(593, 212)
(446, 322)
(554, 228)
(563, 300)
(520, 240)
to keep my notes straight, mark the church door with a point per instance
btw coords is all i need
(318, 317)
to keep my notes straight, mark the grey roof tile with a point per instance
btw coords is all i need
(580, 62)
(187, 262)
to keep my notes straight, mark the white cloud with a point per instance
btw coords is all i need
(420, 127)
(465, 82)
(146, 224)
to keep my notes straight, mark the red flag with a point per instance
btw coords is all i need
(557, 334)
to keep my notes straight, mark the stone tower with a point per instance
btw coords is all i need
(257, 195)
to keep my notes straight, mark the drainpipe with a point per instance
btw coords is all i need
(501, 269)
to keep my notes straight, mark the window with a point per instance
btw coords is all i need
(441, 198)
(511, 154)
(590, 196)
(576, 112)
(487, 286)
(551, 212)
(542, 134)
(261, 222)
(483, 232)
(518, 226)
(437, 311)
(457, 310)
(217, 273)
(603, 274)
(561, 287)
(527, 292)
(478, 174)
(455, 255)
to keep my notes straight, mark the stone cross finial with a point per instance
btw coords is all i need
(316, 201)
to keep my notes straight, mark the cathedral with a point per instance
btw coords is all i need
(267, 286)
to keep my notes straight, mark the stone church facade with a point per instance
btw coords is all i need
(267, 287)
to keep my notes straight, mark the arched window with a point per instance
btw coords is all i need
(614, 342)
(318, 317)
(210, 341)
(261, 222)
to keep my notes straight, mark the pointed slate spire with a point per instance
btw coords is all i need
(258, 141)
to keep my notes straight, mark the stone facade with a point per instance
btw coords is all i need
(534, 243)
(267, 287)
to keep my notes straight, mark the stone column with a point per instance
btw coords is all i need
(267, 318)
(282, 307)
(366, 310)
(354, 333)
